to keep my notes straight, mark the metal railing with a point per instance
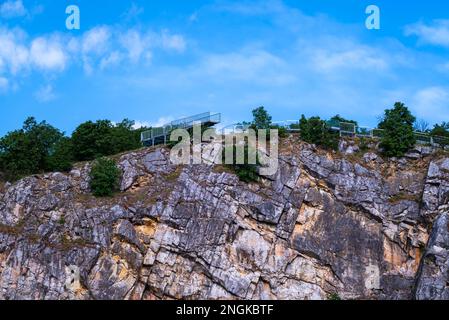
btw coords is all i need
(345, 129)
(352, 130)
(184, 123)
(348, 129)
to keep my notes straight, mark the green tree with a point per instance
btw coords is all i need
(339, 118)
(92, 140)
(316, 131)
(104, 178)
(61, 158)
(262, 120)
(440, 132)
(398, 136)
(102, 138)
(124, 137)
(26, 151)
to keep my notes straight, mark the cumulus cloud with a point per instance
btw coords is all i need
(12, 9)
(96, 40)
(13, 52)
(434, 33)
(97, 49)
(134, 44)
(48, 54)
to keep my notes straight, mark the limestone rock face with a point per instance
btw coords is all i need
(433, 277)
(326, 224)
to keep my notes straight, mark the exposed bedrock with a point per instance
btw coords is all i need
(350, 225)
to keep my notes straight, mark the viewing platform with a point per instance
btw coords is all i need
(161, 135)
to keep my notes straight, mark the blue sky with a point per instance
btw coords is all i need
(153, 61)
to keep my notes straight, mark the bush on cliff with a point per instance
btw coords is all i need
(315, 131)
(247, 172)
(441, 134)
(104, 178)
(398, 135)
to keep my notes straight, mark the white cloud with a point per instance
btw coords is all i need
(173, 41)
(48, 54)
(94, 44)
(162, 121)
(98, 48)
(249, 64)
(13, 53)
(108, 47)
(141, 124)
(134, 44)
(96, 40)
(359, 57)
(12, 9)
(435, 33)
(159, 123)
(431, 103)
(112, 60)
(45, 94)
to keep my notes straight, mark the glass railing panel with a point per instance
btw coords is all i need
(347, 127)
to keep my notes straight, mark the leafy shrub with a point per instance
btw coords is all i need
(104, 178)
(441, 132)
(315, 131)
(61, 158)
(282, 132)
(334, 297)
(398, 136)
(246, 172)
(364, 144)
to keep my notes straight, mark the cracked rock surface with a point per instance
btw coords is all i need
(326, 224)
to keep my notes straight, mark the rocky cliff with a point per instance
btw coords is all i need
(327, 225)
